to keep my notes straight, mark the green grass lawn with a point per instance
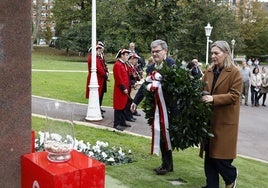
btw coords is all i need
(70, 86)
(188, 166)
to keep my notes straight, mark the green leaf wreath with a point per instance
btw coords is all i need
(190, 125)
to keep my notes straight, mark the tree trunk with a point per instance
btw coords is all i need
(36, 21)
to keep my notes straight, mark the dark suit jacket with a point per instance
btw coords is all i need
(139, 95)
(196, 72)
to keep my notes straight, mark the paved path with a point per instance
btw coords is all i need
(253, 130)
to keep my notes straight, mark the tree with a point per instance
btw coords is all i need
(113, 24)
(72, 24)
(75, 38)
(181, 24)
(36, 22)
(152, 20)
(253, 27)
(42, 22)
(66, 14)
(46, 34)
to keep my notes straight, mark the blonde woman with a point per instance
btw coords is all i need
(224, 84)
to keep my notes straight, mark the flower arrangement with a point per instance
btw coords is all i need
(100, 151)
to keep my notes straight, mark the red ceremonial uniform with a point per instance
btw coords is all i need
(101, 74)
(121, 82)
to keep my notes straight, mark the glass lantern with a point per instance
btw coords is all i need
(59, 131)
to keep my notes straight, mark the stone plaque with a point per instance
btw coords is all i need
(15, 88)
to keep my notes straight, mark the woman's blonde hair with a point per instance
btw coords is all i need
(225, 48)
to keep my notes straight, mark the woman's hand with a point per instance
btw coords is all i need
(207, 98)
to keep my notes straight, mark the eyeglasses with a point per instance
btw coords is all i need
(156, 51)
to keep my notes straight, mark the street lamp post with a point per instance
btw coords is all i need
(93, 109)
(208, 30)
(233, 44)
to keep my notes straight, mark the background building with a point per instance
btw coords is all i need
(43, 23)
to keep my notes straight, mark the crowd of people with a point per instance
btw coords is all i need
(223, 87)
(128, 75)
(256, 82)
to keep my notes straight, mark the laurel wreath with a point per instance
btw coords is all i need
(188, 116)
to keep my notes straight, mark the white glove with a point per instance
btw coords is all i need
(158, 76)
(155, 83)
(133, 107)
(149, 87)
(153, 86)
(148, 79)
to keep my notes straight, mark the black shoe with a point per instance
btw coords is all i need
(131, 120)
(160, 167)
(263, 105)
(136, 114)
(102, 111)
(125, 125)
(119, 128)
(162, 171)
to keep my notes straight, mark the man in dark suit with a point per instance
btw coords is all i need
(196, 71)
(159, 51)
(133, 50)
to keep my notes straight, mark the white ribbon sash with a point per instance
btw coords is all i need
(160, 124)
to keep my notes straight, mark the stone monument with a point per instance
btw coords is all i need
(15, 88)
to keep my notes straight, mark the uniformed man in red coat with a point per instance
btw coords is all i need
(134, 76)
(121, 89)
(102, 73)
